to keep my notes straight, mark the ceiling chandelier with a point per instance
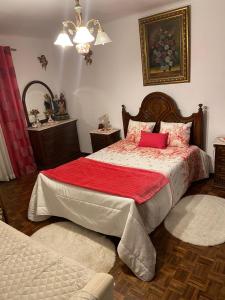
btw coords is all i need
(82, 35)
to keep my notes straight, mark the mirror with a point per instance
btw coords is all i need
(34, 97)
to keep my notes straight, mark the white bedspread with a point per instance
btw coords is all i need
(120, 216)
(29, 271)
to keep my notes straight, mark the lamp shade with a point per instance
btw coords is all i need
(102, 38)
(83, 36)
(63, 40)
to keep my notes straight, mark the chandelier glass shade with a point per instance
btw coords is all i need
(63, 40)
(83, 36)
(102, 38)
(75, 33)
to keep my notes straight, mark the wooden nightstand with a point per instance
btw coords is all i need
(101, 139)
(219, 175)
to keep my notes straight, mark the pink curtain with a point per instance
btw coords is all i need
(12, 118)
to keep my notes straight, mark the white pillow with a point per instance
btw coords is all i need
(135, 128)
(179, 133)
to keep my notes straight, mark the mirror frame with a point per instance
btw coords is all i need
(24, 98)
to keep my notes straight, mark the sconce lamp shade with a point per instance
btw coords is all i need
(102, 38)
(83, 36)
(63, 40)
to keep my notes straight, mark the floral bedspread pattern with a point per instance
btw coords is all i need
(179, 133)
(181, 165)
(135, 128)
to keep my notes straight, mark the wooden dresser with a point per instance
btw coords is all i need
(55, 144)
(219, 175)
(101, 139)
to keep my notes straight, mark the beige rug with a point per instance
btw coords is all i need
(198, 220)
(87, 247)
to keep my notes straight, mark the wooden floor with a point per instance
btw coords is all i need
(183, 271)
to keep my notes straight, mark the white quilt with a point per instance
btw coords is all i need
(120, 216)
(29, 271)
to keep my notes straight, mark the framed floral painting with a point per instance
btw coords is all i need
(165, 42)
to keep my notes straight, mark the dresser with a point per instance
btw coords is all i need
(55, 144)
(103, 138)
(219, 175)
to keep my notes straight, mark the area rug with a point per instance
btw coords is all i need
(87, 247)
(198, 220)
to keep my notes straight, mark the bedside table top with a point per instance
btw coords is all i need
(219, 141)
(105, 132)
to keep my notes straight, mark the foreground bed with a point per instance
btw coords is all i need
(28, 270)
(120, 216)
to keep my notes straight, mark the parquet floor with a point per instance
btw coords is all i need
(183, 271)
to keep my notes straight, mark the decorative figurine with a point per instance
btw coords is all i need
(43, 61)
(104, 123)
(59, 106)
(55, 102)
(87, 57)
(62, 104)
(48, 108)
(47, 102)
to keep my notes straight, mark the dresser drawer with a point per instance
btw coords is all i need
(55, 145)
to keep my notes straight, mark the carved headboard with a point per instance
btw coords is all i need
(158, 107)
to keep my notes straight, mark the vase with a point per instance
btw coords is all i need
(50, 120)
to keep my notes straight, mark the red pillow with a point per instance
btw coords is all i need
(153, 140)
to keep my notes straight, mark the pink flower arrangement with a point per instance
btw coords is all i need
(34, 112)
(164, 50)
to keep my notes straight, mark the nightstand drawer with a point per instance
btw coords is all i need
(219, 175)
(220, 161)
(220, 151)
(101, 140)
(219, 181)
(219, 170)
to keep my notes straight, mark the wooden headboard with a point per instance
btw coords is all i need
(158, 107)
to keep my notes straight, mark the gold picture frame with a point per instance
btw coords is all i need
(165, 47)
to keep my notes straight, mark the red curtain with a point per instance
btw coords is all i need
(12, 118)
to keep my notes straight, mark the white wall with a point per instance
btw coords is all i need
(115, 76)
(26, 64)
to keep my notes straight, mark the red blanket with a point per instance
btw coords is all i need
(140, 185)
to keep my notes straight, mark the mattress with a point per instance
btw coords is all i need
(29, 271)
(120, 216)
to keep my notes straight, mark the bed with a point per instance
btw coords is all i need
(29, 270)
(121, 216)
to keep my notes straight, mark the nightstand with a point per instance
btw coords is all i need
(102, 138)
(219, 175)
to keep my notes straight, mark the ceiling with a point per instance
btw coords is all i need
(42, 18)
